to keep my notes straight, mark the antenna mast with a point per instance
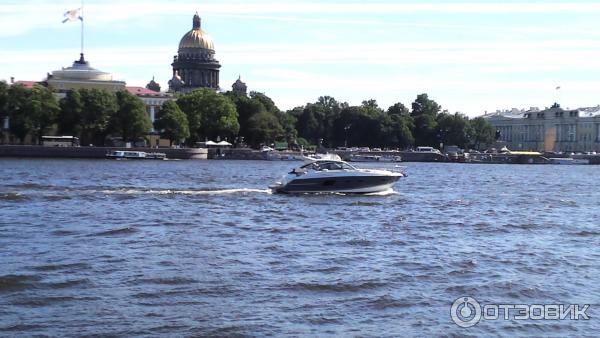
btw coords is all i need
(81, 27)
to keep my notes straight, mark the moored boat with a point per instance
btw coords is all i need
(135, 155)
(568, 161)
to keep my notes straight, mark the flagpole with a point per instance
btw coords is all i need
(81, 15)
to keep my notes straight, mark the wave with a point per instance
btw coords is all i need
(387, 301)
(56, 267)
(17, 282)
(167, 281)
(336, 286)
(359, 242)
(116, 232)
(586, 233)
(67, 284)
(13, 197)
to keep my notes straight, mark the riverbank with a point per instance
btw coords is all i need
(257, 155)
(95, 152)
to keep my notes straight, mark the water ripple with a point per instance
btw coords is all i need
(202, 248)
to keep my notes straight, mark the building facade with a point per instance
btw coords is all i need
(195, 65)
(552, 129)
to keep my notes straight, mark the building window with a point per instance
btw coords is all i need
(572, 130)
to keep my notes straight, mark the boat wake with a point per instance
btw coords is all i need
(388, 192)
(185, 192)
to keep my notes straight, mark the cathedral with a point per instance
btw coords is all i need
(195, 65)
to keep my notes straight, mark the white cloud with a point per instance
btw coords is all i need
(450, 70)
(19, 17)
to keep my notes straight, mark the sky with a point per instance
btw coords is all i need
(469, 56)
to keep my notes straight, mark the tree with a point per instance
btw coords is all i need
(396, 131)
(98, 108)
(43, 110)
(424, 113)
(398, 109)
(265, 100)
(18, 111)
(3, 107)
(71, 114)
(452, 129)
(359, 126)
(400, 127)
(424, 131)
(209, 114)
(264, 128)
(482, 133)
(131, 120)
(172, 123)
(424, 106)
(315, 121)
(307, 123)
(246, 108)
(288, 123)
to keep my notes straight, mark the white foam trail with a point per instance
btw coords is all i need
(186, 192)
(383, 193)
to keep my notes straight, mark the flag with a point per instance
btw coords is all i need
(72, 15)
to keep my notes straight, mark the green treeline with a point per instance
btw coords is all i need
(255, 120)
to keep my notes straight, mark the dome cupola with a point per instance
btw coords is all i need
(196, 38)
(239, 86)
(195, 65)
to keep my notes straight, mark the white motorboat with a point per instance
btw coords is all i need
(364, 158)
(568, 161)
(431, 150)
(135, 155)
(322, 156)
(390, 158)
(336, 176)
(375, 158)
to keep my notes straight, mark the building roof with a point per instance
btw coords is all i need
(81, 71)
(519, 114)
(589, 112)
(26, 84)
(144, 92)
(509, 114)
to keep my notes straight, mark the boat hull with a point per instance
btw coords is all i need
(351, 185)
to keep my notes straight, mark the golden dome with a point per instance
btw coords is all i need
(196, 38)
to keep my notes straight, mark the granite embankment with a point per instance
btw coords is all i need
(95, 152)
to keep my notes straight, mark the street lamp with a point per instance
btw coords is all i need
(346, 128)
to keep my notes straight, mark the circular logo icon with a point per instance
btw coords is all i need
(465, 312)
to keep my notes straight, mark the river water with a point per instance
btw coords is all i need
(202, 248)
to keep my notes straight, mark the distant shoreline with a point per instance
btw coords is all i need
(30, 151)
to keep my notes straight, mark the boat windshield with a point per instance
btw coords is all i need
(328, 165)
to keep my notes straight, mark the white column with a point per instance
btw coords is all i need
(152, 116)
